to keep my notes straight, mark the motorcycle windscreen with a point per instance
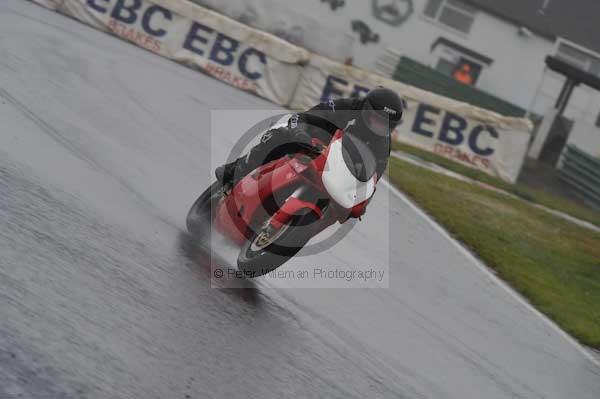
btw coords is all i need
(359, 158)
(340, 181)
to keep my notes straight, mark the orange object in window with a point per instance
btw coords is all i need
(463, 74)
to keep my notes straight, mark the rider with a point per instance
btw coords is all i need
(375, 117)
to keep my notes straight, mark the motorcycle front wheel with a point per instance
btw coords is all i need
(266, 249)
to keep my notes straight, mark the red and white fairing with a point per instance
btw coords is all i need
(340, 183)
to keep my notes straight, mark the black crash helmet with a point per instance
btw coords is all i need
(382, 111)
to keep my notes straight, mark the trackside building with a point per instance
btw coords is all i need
(498, 47)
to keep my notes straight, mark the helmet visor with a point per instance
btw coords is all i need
(378, 122)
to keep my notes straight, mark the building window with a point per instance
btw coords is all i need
(457, 61)
(578, 58)
(453, 13)
(463, 71)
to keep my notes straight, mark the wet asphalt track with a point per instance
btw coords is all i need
(103, 146)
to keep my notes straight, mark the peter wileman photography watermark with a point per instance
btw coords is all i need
(316, 273)
(283, 178)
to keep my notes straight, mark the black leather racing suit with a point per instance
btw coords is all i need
(321, 121)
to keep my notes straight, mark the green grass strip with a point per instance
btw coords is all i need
(520, 190)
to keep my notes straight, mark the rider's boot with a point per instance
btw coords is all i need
(226, 174)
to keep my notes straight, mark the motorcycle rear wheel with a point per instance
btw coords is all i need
(202, 212)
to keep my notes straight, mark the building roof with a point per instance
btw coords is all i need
(574, 20)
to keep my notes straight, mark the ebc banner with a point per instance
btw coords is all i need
(225, 49)
(469, 135)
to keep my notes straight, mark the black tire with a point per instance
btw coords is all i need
(202, 213)
(254, 263)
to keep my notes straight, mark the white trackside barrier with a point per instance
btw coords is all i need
(472, 136)
(290, 76)
(248, 59)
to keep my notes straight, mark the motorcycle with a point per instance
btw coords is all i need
(274, 211)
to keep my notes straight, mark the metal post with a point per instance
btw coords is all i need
(565, 95)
